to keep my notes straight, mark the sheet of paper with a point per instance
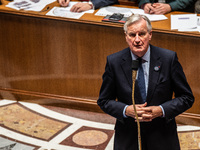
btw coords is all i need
(198, 23)
(151, 17)
(190, 30)
(193, 29)
(156, 17)
(34, 5)
(65, 12)
(184, 22)
(109, 10)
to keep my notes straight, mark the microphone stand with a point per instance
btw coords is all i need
(135, 65)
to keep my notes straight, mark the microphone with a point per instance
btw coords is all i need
(135, 66)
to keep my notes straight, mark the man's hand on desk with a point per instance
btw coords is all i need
(147, 7)
(157, 8)
(79, 7)
(64, 3)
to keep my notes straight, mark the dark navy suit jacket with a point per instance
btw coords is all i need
(115, 94)
(176, 5)
(102, 3)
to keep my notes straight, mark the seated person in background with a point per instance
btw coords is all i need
(197, 7)
(83, 6)
(166, 6)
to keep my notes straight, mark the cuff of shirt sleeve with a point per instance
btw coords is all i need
(124, 111)
(91, 4)
(162, 111)
(142, 6)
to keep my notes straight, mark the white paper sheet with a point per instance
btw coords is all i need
(185, 22)
(65, 12)
(193, 29)
(156, 17)
(109, 10)
(33, 5)
(151, 17)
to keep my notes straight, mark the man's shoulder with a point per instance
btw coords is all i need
(119, 54)
(161, 51)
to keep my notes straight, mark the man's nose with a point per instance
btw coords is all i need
(137, 38)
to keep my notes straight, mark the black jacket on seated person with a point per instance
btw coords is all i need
(102, 3)
(176, 5)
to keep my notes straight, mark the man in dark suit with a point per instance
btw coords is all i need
(88, 4)
(163, 76)
(166, 6)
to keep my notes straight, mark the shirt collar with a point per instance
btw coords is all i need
(146, 56)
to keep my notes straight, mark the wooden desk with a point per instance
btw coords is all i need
(63, 59)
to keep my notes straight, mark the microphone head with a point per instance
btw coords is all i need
(135, 65)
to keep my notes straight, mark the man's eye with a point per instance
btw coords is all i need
(142, 34)
(132, 35)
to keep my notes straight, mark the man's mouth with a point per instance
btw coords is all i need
(138, 46)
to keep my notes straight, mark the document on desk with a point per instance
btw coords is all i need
(152, 17)
(33, 5)
(193, 29)
(109, 10)
(184, 22)
(65, 12)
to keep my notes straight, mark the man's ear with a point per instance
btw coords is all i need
(125, 34)
(150, 33)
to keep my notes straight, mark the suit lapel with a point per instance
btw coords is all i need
(154, 72)
(126, 66)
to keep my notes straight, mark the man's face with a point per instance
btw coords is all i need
(138, 38)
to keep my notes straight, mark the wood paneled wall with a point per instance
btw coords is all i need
(67, 58)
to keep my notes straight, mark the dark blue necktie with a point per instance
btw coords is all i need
(141, 81)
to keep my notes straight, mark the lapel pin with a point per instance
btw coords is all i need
(157, 68)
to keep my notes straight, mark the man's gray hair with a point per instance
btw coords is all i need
(135, 18)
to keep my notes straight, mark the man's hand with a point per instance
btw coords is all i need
(64, 3)
(139, 108)
(150, 113)
(145, 114)
(157, 8)
(161, 8)
(148, 8)
(80, 7)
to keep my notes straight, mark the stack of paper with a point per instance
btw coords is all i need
(65, 12)
(109, 10)
(34, 5)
